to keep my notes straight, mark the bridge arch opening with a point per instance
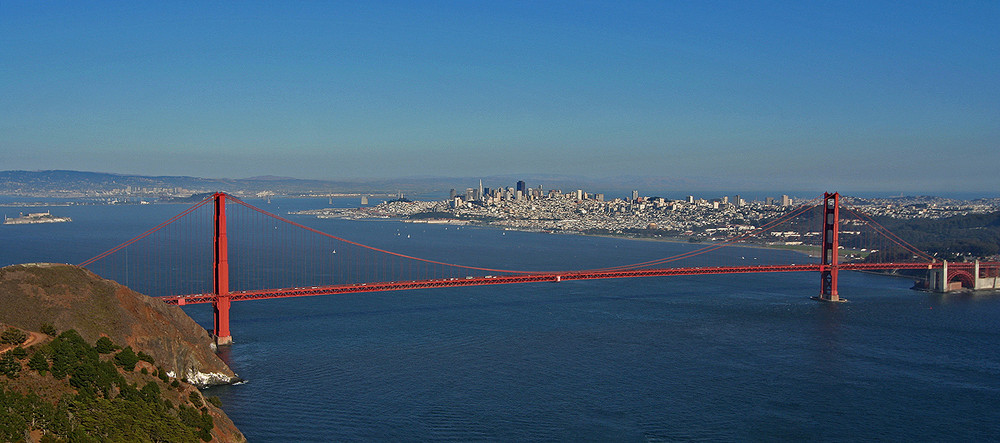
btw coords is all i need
(964, 277)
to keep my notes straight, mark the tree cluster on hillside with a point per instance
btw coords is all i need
(13, 336)
(98, 403)
(976, 235)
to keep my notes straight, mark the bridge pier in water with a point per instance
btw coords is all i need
(220, 306)
(831, 248)
(221, 309)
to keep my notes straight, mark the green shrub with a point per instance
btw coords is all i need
(19, 353)
(146, 358)
(84, 378)
(104, 345)
(48, 329)
(9, 367)
(215, 400)
(126, 359)
(150, 392)
(13, 336)
(38, 362)
(195, 398)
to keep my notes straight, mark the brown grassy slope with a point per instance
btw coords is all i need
(70, 297)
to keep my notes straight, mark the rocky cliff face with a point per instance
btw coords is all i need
(69, 297)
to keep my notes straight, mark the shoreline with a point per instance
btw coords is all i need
(475, 223)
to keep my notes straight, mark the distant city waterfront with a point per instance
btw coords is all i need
(692, 219)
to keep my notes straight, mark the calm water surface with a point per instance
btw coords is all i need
(729, 357)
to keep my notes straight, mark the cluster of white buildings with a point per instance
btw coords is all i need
(524, 208)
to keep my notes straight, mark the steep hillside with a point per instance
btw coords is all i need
(69, 297)
(61, 388)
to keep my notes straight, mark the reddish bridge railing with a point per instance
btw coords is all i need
(548, 277)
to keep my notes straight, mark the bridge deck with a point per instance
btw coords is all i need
(532, 278)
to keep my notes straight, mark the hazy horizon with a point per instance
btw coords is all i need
(620, 186)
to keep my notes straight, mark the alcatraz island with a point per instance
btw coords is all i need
(34, 218)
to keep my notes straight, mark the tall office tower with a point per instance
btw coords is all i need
(737, 201)
(452, 194)
(480, 196)
(635, 195)
(520, 186)
(785, 201)
(770, 201)
(690, 199)
(725, 199)
(579, 194)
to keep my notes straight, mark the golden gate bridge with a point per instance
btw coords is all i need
(232, 245)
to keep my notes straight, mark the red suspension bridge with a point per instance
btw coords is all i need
(261, 249)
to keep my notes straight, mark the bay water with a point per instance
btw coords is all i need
(723, 357)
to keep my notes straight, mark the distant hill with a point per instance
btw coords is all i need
(975, 235)
(74, 184)
(82, 184)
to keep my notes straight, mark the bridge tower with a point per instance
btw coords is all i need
(831, 248)
(221, 273)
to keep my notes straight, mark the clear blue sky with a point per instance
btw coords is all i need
(852, 95)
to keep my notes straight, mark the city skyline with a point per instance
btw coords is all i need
(868, 97)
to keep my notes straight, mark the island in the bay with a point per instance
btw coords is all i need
(35, 217)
